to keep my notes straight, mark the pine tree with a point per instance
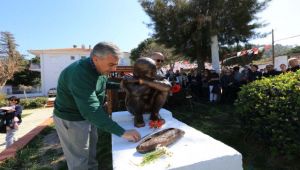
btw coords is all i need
(188, 25)
(10, 58)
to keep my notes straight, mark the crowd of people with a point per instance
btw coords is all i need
(223, 87)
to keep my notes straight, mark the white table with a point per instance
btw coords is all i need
(194, 151)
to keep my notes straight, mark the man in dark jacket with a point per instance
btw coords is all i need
(254, 74)
(270, 71)
(78, 110)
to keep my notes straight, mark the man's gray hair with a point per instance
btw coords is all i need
(292, 59)
(103, 49)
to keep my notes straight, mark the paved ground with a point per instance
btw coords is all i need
(29, 122)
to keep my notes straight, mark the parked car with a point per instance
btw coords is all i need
(52, 92)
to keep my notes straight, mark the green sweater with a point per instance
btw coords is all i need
(80, 95)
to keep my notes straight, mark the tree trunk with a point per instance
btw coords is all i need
(2, 84)
(25, 94)
(201, 64)
(200, 60)
(215, 59)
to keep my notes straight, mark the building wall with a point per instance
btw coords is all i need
(52, 65)
(7, 89)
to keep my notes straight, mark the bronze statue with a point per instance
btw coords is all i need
(145, 91)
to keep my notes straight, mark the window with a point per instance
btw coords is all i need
(72, 57)
(8, 91)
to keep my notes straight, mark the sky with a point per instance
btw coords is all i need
(48, 24)
(281, 15)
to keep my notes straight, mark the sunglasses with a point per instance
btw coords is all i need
(158, 60)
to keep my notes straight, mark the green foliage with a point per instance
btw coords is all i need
(26, 77)
(12, 60)
(281, 50)
(187, 26)
(32, 103)
(294, 50)
(148, 46)
(137, 52)
(3, 101)
(36, 60)
(270, 108)
(35, 156)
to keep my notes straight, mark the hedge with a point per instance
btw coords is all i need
(271, 109)
(30, 103)
(3, 100)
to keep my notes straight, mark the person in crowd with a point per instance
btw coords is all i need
(178, 75)
(237, 75)
(254, 74)
(78, 108)
(270, 71)
(171, 76)
(204, 79)
(227, 83)
(159, 59)
(245, 75)
(283, 68)
(214, 88)
(237, 81)
(195, 83)
(262, 70)
(294, 64)
(184, 80)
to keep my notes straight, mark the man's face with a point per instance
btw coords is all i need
(283, 67)
(269, 68)
(158, 60)
(293, 63)
(105, 65)
(253, 68)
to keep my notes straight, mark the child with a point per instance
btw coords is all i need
(13, 119)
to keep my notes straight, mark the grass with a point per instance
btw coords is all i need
(218, 121)
(32, 158)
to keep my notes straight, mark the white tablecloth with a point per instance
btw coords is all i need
(194, 151)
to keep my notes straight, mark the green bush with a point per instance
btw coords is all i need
(270, 108)
(3, 101)
(33, 103)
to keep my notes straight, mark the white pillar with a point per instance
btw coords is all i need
(215, 61)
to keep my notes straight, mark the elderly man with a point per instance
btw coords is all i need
(294, 63)
(78, 110)
(159, 58)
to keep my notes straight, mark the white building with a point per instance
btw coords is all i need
(53, 61)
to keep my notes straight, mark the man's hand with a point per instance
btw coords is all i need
(141, 81)
(131, 135)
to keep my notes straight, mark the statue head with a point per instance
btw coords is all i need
(145, 68)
